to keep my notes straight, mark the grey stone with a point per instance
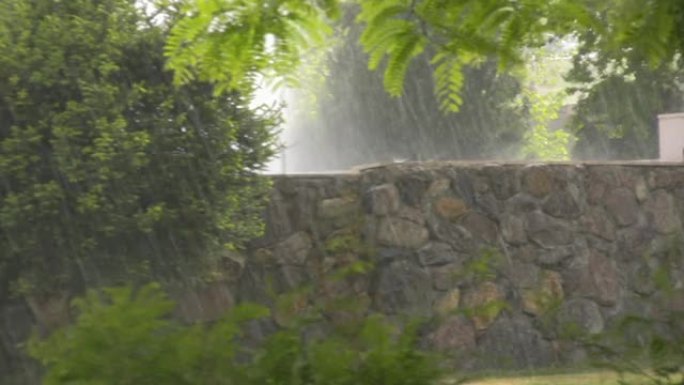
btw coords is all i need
(438, 253)
(556, 256)
(521, 204)
(596, 278)
(523, 275)
(294, 250)
(389, 254)
(662, 213)
(339, 211)
(513, 229)
(546, 231)
(445, 277)
(382, 200)
(581, 315)
(412, 188)
(400, 232)
(403, 288)
(562, 204)
(502, 182)
(622, 205)
(512, 342)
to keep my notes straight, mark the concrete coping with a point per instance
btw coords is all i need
(675, 115)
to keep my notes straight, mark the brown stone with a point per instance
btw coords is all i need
(400, 232)
(596, 277)
(622, 205)
(483, 303)
(538, 181)
(448, 303)
(454, 333)
(480, 227)
(548, 293)
(450, 208)
(597, 222)
(207, 303)
(438, 187)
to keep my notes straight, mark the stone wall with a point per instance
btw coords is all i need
(500, 257)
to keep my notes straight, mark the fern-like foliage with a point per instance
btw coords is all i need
(230, 42)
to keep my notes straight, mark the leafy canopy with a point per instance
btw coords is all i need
(227, 41)
(104, 163)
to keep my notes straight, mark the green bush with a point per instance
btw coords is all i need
(124, 336)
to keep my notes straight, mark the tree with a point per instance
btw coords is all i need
(223, 41)
(357, 122)
(620, 94)
(104, 164)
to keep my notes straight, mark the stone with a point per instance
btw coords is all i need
(438, 253)
(382, 200)
(523, 275)
(633, 242)
(278, 218)
(546, 231)
(501, 181)
(294, 250)
(438, 187)
(412, 187)
(484, 302)
(548, 293)
(538, 181)
(450, 208)
(480, 227)
(562, 204)
(411, 214)
(403, 288)
(398, 232)
(597, 222)
(339, 211)
(622, 205)
(447, 303)
(384, 255)
(445, 277)
(662, 213)
(641, 189)
(513, 230)
(557, 256)
(204, 304)
(580, 315)
(453, 334)
(667, 179)
(521, 204)
(596, 278)
(513, 343)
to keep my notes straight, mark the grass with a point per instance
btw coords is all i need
(586, 377)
